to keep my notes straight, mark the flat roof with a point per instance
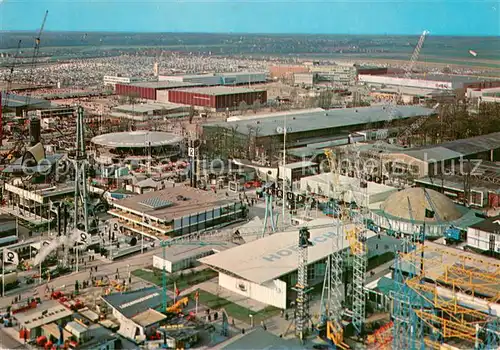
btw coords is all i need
(274, 256)
(16, 101)
(147, 107)
(455, 149)
(346, 182)
(197, 201)
(167, 84)
(228, 74)
(324, 119)
(176, 253)
(457, 183)
(136, 139)
(47, 312)
(220, 90)
(133, 303)
(453, 78)
(490, 225)
(148, 318)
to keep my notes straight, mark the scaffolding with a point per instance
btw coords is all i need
(444, 294)
(332, 296)
(357, 238)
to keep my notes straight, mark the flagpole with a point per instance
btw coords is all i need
(77, 249)
(175, 292)
(196, 305)
(3, 273)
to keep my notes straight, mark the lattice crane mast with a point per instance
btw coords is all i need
(302, 288)
(408, 69)
(36, 50)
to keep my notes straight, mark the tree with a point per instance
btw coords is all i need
(325, 99)
(256, 106)
(191, 114)
(243, 107)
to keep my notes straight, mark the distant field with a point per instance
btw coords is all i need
(436, 50)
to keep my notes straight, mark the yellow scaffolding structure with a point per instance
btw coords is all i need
(443, 278)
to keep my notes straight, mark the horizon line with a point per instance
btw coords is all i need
(241, 33)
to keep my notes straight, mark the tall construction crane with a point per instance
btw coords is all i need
(36, 50)
(408, 69)
(5, 102)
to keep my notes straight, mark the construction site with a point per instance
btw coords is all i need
(130, 240)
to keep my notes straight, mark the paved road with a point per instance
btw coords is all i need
(103, 269)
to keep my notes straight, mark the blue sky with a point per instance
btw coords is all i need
(440, 17)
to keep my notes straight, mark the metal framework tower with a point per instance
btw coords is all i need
(332, 296)
(356, 235)
(80, 163)
(269, 191)
(302, 316)
(437, 280)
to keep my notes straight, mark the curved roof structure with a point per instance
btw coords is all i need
(136, 139)
(398, 205)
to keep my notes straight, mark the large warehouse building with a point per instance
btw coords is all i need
(149, 90)
(265, 270)
(224, 79)
(217, 98)
(429, 81)
(306, 128)
(433, 160)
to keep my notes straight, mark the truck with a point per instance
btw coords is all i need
(454, 235)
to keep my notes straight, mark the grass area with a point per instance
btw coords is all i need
(183, 280)
(236, 311)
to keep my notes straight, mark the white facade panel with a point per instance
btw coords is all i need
(270, 293)
(481, 240)
(158, 264)
(418, 83)
(162, 96)
(179, 78)
(242, 78)
(303, 78)
(203, 79)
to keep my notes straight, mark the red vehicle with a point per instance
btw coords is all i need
(56, 295)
